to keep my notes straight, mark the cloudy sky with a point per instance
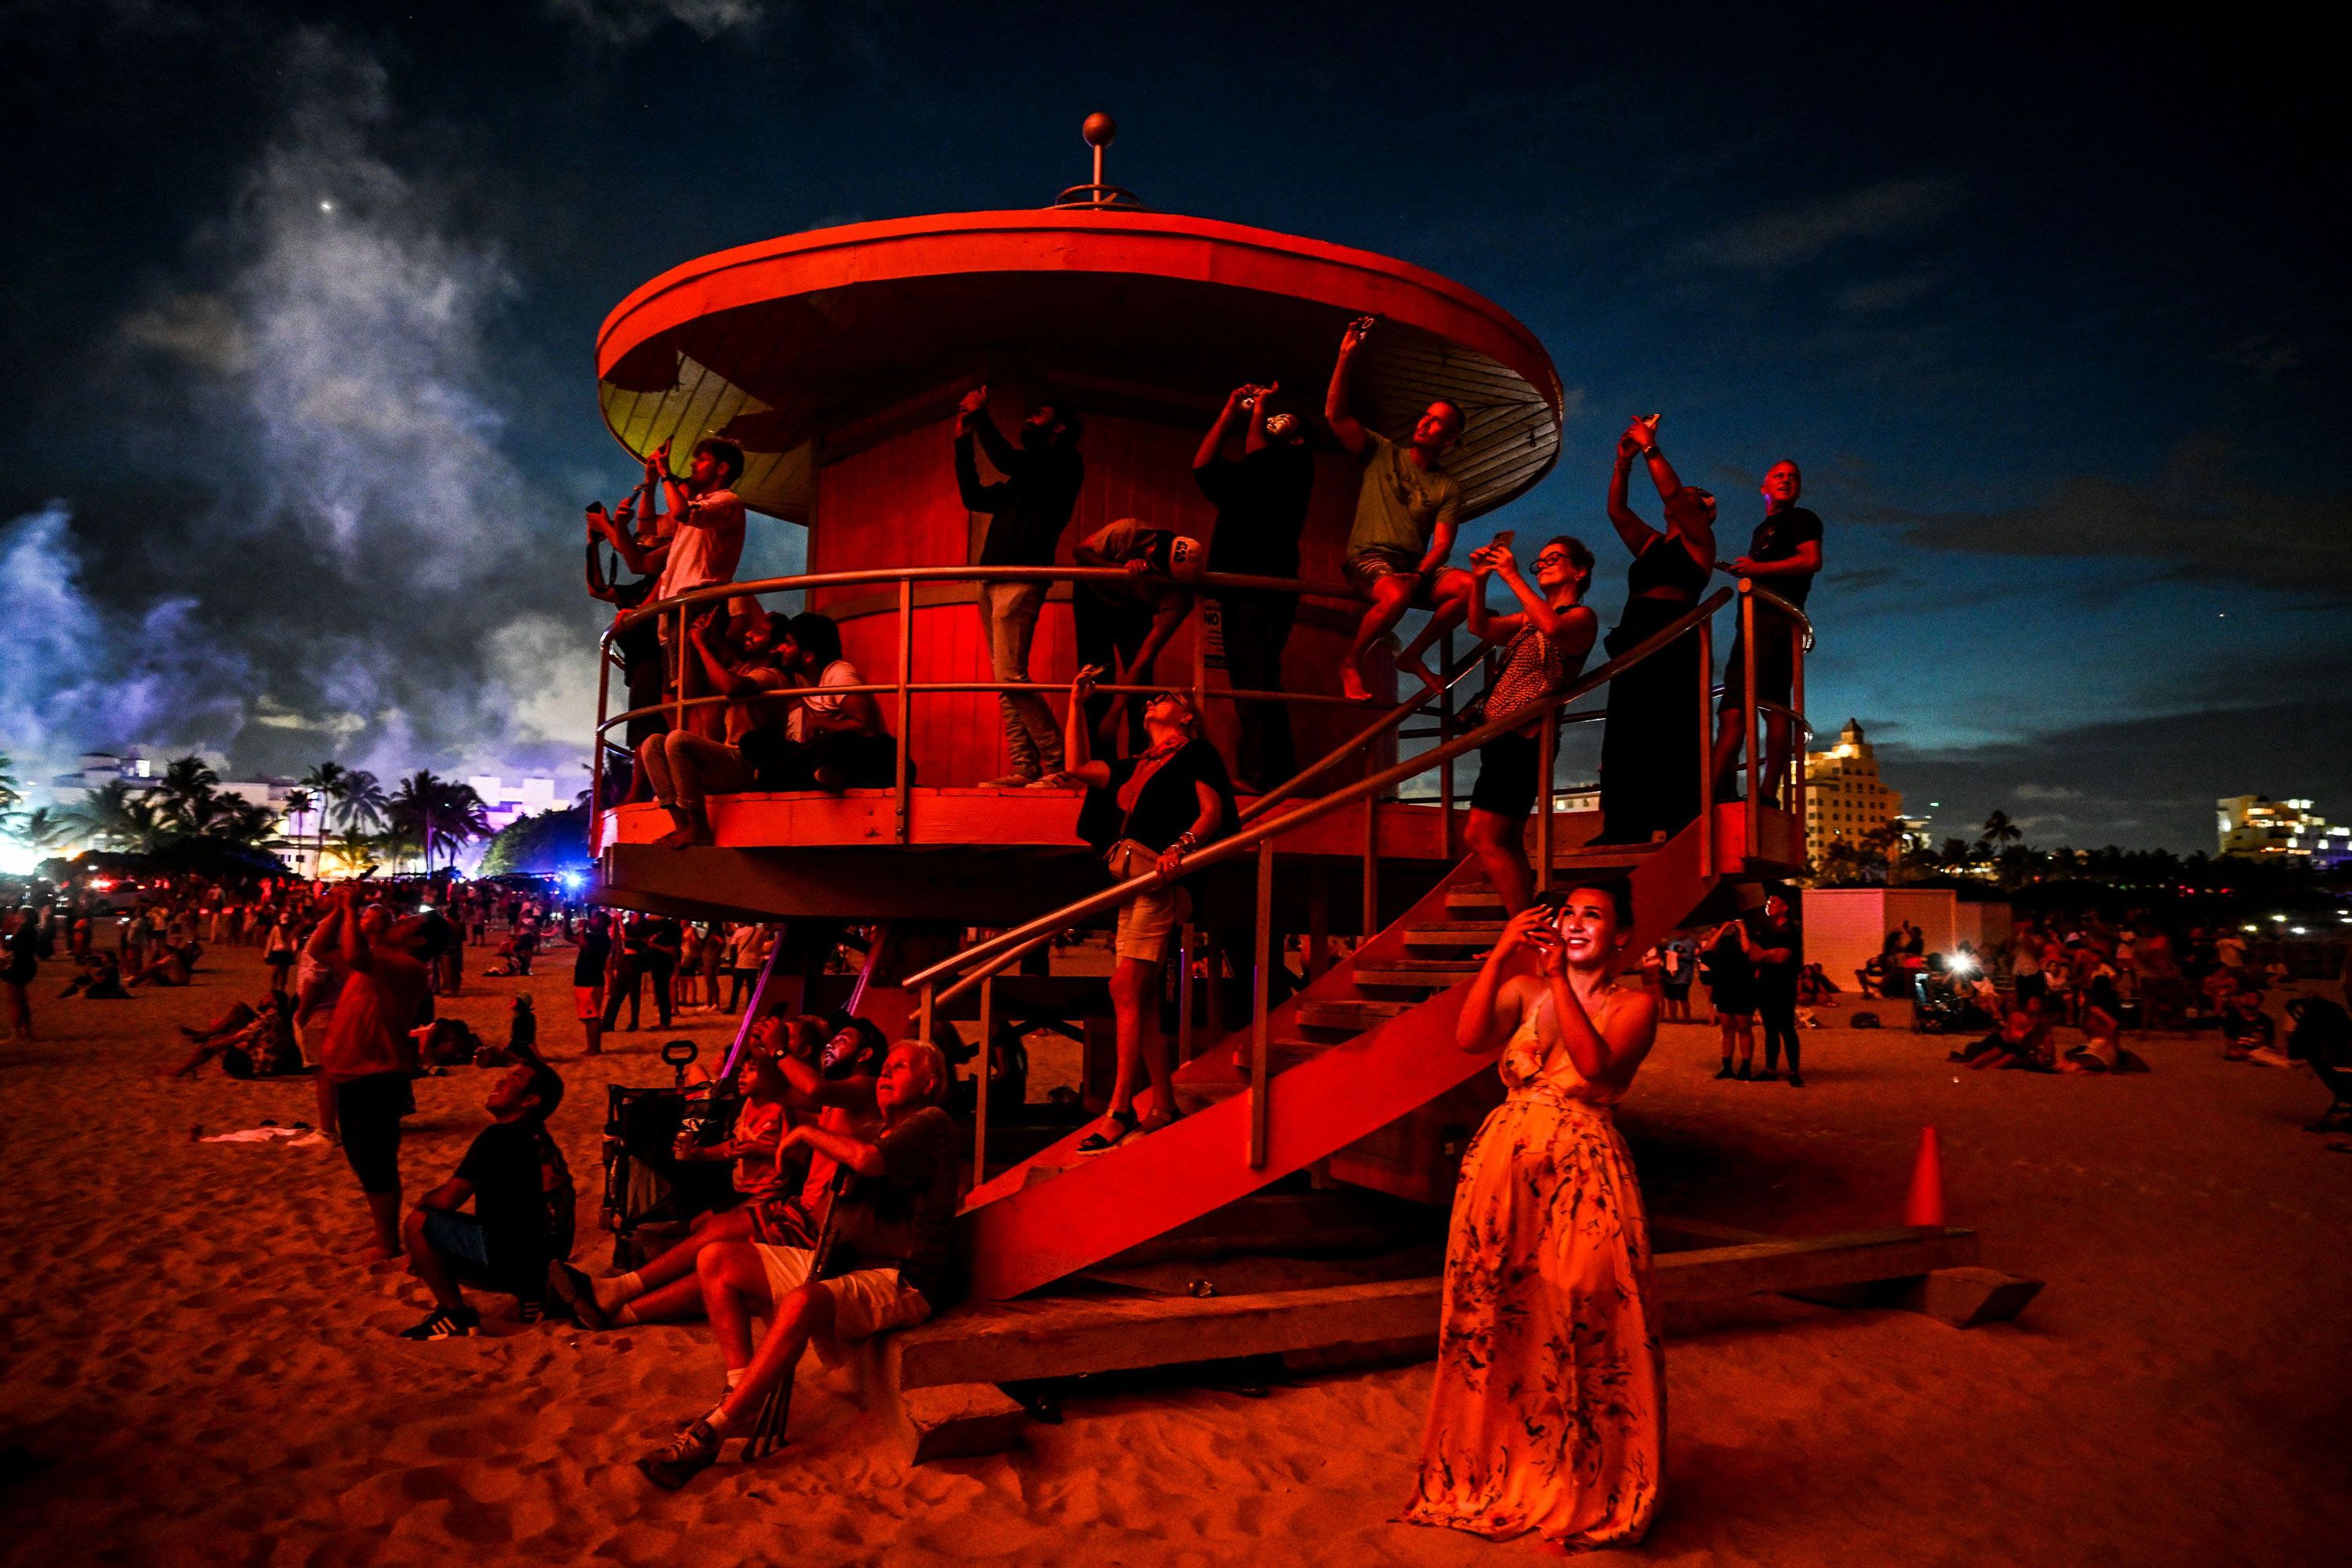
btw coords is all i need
(302, 299)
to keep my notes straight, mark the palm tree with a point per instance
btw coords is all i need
(325, 785)
(117, 818)
(190, 792)
(11, 793)
(434, 813)
(43, 829)
(1999, 830)
(362, 800)
(298, 801)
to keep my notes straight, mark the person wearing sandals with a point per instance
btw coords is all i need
(1144, 813)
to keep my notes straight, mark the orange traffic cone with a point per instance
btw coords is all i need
(1926, 1204)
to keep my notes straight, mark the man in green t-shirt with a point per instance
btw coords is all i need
(1406, 514)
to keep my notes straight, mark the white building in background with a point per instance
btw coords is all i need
(1844, 797)
(509, 804)
(2256, 827)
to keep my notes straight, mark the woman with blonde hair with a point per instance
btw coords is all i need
(1144, 813)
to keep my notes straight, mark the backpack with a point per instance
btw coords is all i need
(2322, 1031)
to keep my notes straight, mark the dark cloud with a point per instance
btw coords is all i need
(2199, 518)
(1791, 236)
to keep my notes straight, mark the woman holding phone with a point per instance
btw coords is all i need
(1549, 1410)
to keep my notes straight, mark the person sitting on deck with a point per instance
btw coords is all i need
(1545, 644)
(685, 766)
(1261, 504)
(1406, 514)
(504, 1244)
(1027, 511)
(1783, 558)
(834, 743)
(884, 1269)
(1143, 813)
(699, 544)
(643, 674)
(1122, 626)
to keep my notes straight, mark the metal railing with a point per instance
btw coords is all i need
(679, 696)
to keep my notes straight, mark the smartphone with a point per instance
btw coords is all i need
(1503, 539)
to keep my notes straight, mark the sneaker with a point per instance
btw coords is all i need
(445, 1325)
(1011, 781)
(1102, 1140)
(1796, 1080)
(1769, 1075)
(1745, 1074)
(577, 1292)
(694, 1450)
(1723, 1072)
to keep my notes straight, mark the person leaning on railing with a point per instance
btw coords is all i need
(1144, 813)
(1549, 637)
(1784, 557)
(1122, 626)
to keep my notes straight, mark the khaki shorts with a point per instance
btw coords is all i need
(1145, 920)
(867, 1302)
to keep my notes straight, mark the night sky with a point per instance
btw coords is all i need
(301, 301)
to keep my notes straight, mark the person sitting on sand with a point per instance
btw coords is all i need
(886, 1269)
(2021, 1041)
(100, 979)
(504, 1244)
(250, 1042)
(664, 1290)
(2245, 1027)
(175, 966)
(445, 1043)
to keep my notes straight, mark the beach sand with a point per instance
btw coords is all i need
(194, 1376)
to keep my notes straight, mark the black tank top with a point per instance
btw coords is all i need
(1665, 563)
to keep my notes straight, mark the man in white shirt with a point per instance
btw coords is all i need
(831, 742)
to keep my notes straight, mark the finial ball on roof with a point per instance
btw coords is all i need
(1099, 129)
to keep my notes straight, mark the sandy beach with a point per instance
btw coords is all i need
(192, 1374)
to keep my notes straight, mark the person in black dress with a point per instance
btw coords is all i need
(1784, 557)
(1725, 963)
(1650, 751)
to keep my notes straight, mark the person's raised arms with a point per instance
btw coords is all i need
(1077, 738)
(1351, 434)
(1492, 1009)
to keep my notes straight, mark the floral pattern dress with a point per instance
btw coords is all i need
(1551, 1408)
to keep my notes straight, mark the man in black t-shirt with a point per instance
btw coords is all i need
(503, 1245)
(1027, 511)
(1778, 955)
(1261, 503)
(1783, 558)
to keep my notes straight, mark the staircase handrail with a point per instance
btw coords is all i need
(985, 958)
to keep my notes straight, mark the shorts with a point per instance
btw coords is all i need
(1145, 920)
(278, 960)
(1368, 567)
(588, 1003)
(368, 1112)
(463, 1242)
(1776, 664)
(865, 1303)
(1507, 777)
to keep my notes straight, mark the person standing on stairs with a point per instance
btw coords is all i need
(1545, 644)
(1548, 1413)
(1144, 812)
(1784, 557)
(1650, 748)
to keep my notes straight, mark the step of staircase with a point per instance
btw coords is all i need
(1355, 1015)
(1454, 933)
(1473, 900)
(1426, 974)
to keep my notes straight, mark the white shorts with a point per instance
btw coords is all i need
(867, 1302)
(1147, 921)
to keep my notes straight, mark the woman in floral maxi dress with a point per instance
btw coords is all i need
(1551, 1407)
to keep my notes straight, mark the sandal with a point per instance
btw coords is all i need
(1099, 1140)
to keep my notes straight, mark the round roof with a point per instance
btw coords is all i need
(776, 344)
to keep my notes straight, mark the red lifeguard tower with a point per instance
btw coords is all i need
(835, 358)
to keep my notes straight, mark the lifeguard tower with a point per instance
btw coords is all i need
(835, 358)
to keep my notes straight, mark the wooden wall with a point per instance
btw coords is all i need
(895, 503)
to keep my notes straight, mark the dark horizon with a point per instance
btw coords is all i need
(303, 314)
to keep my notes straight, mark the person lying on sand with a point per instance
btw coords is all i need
(251, 1042)
(504, 1244)
(884, 1267)
(833, 1089)
(2021, 1041)
(100, 979)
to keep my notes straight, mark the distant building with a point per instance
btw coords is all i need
(2256, 827)
(509, 804)
(1844, 797)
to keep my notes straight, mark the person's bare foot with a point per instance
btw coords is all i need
(1351, 684)
(675, 838)
(1410, 664)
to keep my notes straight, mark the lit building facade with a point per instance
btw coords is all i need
(2256, 827)
(1844, 797)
